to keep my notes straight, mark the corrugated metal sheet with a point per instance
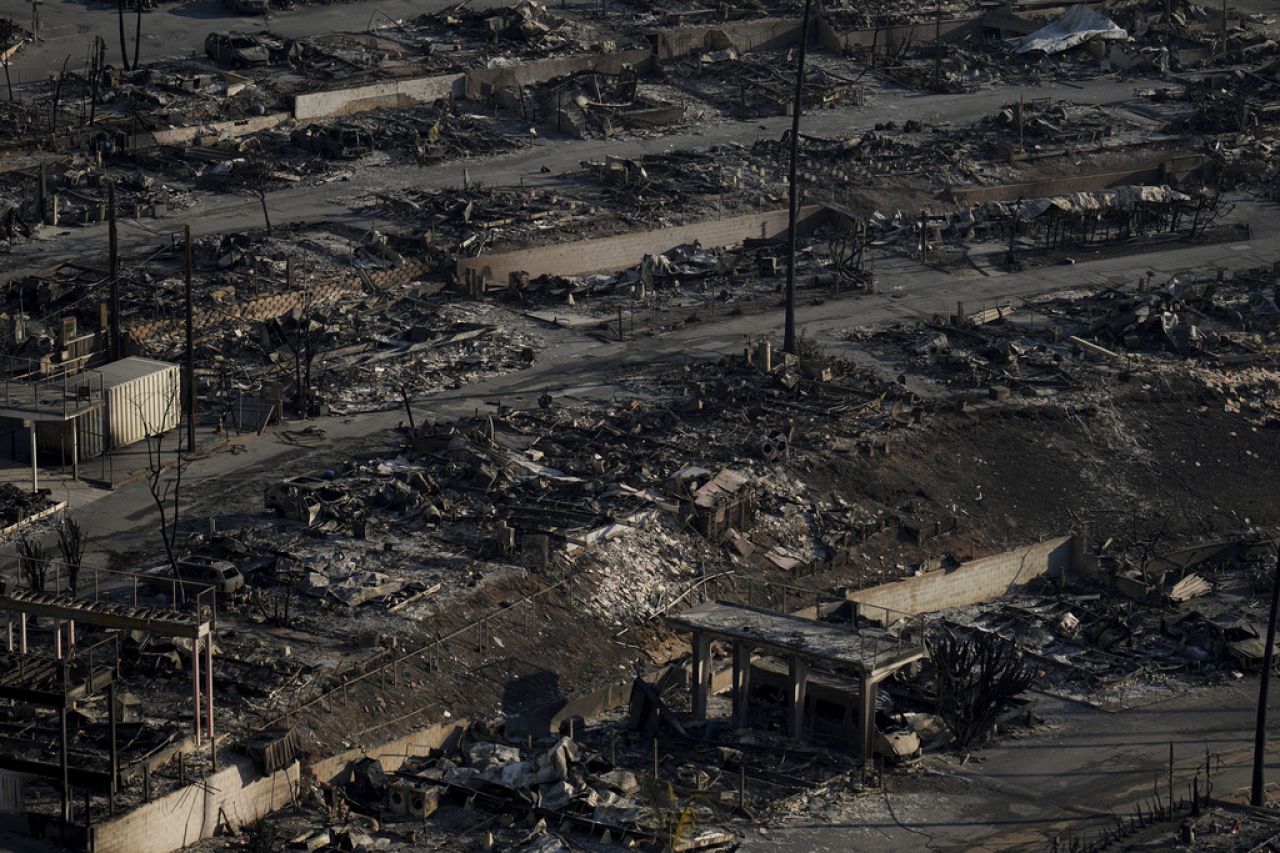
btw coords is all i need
(143, 397)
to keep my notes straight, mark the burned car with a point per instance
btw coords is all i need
(305, 499)
(339, 142)
(249, 7)
(246, 50)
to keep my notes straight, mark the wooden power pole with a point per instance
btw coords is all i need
(113, 273)
(1258, 796)
(789, 343)
(191, 351)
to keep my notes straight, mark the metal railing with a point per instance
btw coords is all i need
(94, 583)
(62, 391)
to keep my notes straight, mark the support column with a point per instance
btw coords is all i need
(71, 635)
(75, 449)
(195, 685)
(795, 697)
(867, 720)
(57, 639)
(23, 631)
(35, 470)
(741, 684)
(115, 757)
(701, 686)
(66, 779)
(208, 682)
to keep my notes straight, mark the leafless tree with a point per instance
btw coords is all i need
(254, 176)
(71, 543)
(33, 560)
(164, 480)
(976, 679)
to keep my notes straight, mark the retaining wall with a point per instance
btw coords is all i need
(972, 582)
(609, 254)
(336, 769)
(481, 83)
(394, 94)
(893, 38)
(234, 128)
(1164, 172)
(742, 36)
(235, 795)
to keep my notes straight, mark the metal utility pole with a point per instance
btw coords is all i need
(789, 344)
(1224, 29)
(937, 47)
(191, 351)
(1258, 796)
(113, 272)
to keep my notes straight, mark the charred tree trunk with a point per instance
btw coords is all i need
(124, 48)
(137, 35)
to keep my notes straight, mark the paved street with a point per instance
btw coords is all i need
(1071, 778)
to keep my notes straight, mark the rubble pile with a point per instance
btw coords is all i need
(1185, 618)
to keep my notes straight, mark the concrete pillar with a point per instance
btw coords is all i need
(867, 720)
(208, 682)
(71, 635)
(75, 449)
(35, 470)
(23, 630)
(795, 697)
(195, 685)
(701, 682)
(741, 684)
(57, 639)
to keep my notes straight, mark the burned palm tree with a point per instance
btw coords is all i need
(71, 542)
(33, 561)
(977, 679)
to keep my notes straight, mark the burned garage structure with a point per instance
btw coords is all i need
(667, 426)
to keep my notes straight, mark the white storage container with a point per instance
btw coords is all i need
(142, 397)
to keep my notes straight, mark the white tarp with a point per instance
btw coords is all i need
(1076, 26)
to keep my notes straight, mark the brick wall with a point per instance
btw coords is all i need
(393, 94)
(608, 254)
(273, 305)
(235, 793)
(972, 582)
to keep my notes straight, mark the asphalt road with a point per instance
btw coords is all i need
(1067, 780)
(67, 27)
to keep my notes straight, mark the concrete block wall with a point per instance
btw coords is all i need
(971, 583)
(609, 254)
(392, 94)
(233, 129)
(392, 754)
(235, 794)
(886, 38)
(1163, 172)
(742, 36)
(481, 82)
